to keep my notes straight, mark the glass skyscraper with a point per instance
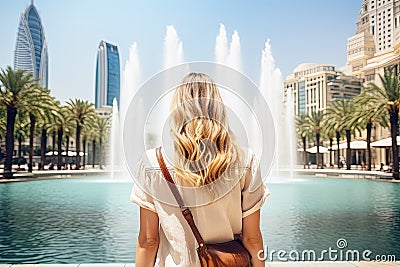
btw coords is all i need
(107, 75)
(31, 47)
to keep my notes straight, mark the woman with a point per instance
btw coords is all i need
(208, 159)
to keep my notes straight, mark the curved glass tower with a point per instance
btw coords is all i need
(107, 75)
(31, 48)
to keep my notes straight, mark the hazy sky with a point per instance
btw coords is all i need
(300, 31)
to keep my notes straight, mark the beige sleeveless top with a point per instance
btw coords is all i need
(218, 216)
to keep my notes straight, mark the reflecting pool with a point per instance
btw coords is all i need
(90, 220)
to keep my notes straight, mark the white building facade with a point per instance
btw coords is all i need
(314, 86)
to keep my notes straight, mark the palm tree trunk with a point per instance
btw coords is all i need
(59, 147)
(369, 130)
(11, 114)
(318, 159)
(67, 150)
(32, 120)
(43, 144)
(84, 152)
(348, 150)
(394, 125)
(100, 154)
(53, 144)
(304, 152)
(330, 152)
(78, 145)
(94, 152)
(338, 150)
(19, 146)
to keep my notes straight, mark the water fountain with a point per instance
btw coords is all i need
(173, 55)
(228, 56)
(116, 159)
(173, 48)
(291, 145)
(131, 79)
(130, 84)
(271, 87)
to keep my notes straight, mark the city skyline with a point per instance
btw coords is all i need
(316, 32)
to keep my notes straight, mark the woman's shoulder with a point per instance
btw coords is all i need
(249, 156)
(149, 159)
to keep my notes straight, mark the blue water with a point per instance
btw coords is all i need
(91, 219)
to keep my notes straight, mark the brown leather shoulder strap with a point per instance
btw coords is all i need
(168, 177)
(187, 214)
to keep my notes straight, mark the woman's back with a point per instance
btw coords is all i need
(218, 220)
(221, 186)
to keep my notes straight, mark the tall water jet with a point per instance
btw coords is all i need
(290, 132)
(116, 161)
(230, 56)
(271, 87)
(131, 80)
(173, 55)
(234, 56)
(173, 48)
(221, 45)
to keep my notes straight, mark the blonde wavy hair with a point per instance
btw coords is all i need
(204, 145)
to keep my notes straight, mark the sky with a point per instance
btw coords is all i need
(299, 31)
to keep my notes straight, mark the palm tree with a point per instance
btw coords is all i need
(330, 132)
(40, 106)
(103, 129)
(343, 110)
(62, 123)
(388, 96)
(314, 123)
(17, 88)
(45, 124)
(86, 132)
(303, 131)
(333, 124)
(20, 131)
(2, 123)
(80, 112)
(93, 136)
(369, 112)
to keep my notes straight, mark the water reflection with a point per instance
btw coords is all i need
(92, 220)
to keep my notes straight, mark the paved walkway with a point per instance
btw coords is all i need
(342, 173)
(337, 173)
(268, 264)
(51, 174)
